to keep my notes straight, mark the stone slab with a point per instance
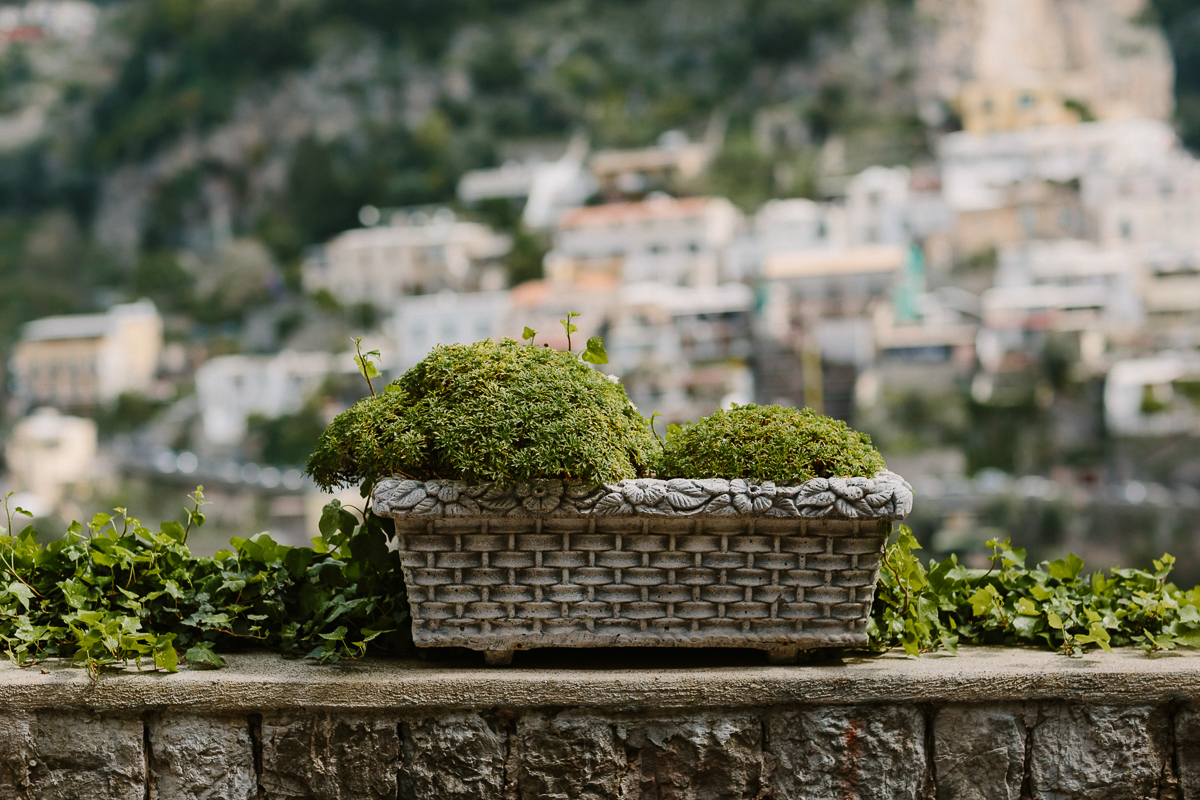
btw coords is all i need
(254, 682)
(848, 753)
(698, 757)
(1090, 752)
(18, 746)
(329, 756)
(979, 751)
(457, 756)
(80, 756)
(194, 757)
(1187, 750)
(567, 756)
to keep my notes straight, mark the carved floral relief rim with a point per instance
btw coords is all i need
(886, 496)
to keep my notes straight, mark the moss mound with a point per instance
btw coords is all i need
(775, 443)
(489, 411)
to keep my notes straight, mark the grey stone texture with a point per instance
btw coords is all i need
(567, 756)
(81, 756)
(979, 751)
(703, 757)
(848, 752)
(201, 757)
(18, 731)
(458, 756)
(329, 756)
(988, 724)
(1086, 752)
(1187, 750)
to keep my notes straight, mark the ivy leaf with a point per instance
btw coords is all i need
(595, 354)
(1054, 620)
(366, 367)
(981, 600)
(174, 530)
(202, 655)
(338, 634)
(1067, 569)
(22, 592)
(165, 657)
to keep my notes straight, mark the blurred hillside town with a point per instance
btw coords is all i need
(1011, 308)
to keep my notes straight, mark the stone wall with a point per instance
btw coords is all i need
(987, 724)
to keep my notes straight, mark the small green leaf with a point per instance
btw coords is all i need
(165, 657)
(1066, 569)
(338, 634)
(366, 367)
(1054, 620)
(595, 354)
(22, 592)
(528, 334)
(203, 656)
(174, 529)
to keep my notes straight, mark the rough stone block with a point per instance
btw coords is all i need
(456, 756)
(1187, 750)
(1086, 752)
(703, 757)
(569, 756)
(328, 756)
(847, 752)
(84, 756)
(17, 748)
(979, 751)
(198, 757)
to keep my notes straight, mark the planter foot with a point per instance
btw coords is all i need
(783, 654)
(497, 658)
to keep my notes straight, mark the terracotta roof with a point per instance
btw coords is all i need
(618, 213)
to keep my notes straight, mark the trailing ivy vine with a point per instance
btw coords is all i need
(116, 592)
(939, 606)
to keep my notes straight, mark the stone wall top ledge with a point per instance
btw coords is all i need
(257, 681)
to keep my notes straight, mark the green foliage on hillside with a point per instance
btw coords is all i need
(1180, 20)
(489, 411)
(768, 443)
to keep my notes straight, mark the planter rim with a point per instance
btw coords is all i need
(884, 497)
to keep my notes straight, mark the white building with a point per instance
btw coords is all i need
(230, 389)
(415, 253)
(48, 452)
(423, 321)
(86, 359)
(1083, 285)
(661, 240)
(1153, 396)
(682, 350)
(548, 188)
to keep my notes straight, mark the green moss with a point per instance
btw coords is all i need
(489, 411)
(785, 445)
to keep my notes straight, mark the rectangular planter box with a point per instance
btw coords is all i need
(642, 563)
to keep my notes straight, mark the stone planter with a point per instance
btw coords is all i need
(646, 563)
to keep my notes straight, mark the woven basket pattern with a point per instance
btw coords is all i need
(701, 582)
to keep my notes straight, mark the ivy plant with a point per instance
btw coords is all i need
(941, 605)
(116, 592)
